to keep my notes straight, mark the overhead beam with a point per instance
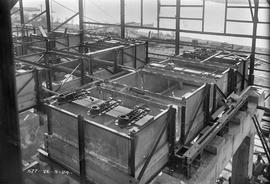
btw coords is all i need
(183, 30)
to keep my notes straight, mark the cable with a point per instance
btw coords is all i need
(101, 9)
(73, 11)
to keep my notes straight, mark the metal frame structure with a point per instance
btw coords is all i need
(123, 26)
(254, 9)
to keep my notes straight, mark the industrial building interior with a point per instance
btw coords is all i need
(134, 91)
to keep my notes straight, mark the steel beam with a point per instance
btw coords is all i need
(38, 15)
(10, 150)
(66, 21)
(183, 30)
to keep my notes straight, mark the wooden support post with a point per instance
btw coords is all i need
(82, 72)
(90, 66)
(10, 147)
(48, 73)
(131, 161)
(37, 87)
(135, 54)
(147, 52)
(242, 162)
(115, 65)
(243, 75)
(81, 150)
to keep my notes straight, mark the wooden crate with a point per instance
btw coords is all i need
(26, 89)
(225, 72)
(188, 97)
(113, 154)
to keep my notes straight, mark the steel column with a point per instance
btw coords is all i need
(10, 150)
(253, 46)
(203, 15)
(225, 21)
(141, 12)
(122, 18)
(81, 27)
(22, 24)
(177, 27)
(21, 14)
(158, 15)
(48, 15)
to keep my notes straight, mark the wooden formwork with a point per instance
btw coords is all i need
(236, 145)
(229, 73)
(26, 85)
(187, 96)
(112, 154)
(58, 40)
